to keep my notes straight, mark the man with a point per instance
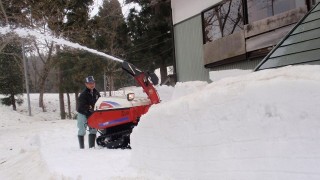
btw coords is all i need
(87, 100)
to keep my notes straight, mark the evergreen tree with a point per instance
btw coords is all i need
(11, 77)
(111, 37)
(151, 33)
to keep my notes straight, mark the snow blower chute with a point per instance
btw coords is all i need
(115, 117)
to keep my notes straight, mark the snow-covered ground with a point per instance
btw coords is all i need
(263, 125)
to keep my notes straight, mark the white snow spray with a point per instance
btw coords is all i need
(24, 32)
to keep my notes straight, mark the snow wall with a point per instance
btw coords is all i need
(264, 125)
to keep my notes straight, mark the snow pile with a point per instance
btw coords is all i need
(263, 125)
(217, 75)
(20, 156)
(186, 88)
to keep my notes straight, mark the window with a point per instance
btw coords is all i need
(229, 16)
(222, 20)
(260, 9)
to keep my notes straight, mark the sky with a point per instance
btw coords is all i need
(261, 125)
(125, 7)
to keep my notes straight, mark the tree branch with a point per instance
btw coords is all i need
(4, 12)
(38, 51)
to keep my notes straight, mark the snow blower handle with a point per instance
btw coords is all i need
(143, 79)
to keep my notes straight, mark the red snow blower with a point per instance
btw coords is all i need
(115, 117)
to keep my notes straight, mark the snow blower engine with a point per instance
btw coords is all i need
(115, 117)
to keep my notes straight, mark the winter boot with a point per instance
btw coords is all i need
(92, 139)
(81, 141)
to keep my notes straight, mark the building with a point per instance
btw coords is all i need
(215, 35)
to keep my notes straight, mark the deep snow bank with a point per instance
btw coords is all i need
(263, 125)
(20, 156)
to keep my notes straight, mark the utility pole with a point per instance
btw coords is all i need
(26, 77)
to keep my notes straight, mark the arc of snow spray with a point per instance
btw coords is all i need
(23, 32)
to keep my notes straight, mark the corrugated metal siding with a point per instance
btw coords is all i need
(300, 46)
(189, 51)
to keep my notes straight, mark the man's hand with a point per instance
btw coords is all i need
(89, 112)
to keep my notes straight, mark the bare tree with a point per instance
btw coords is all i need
(111, 72)
(48, 63)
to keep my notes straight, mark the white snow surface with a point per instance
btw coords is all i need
(217, 75)
(263, 125)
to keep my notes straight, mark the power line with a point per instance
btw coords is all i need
(155, 55)
(152, 39)
(146, 47)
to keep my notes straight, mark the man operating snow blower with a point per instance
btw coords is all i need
(115, 117)
(87, 100)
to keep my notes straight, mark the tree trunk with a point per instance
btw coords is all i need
(60, 83)
(41, 103)
(110, 83)
(62, 109)
(69, 105)
(13, 102)
(163, 72)
(44, 75)
(61, 97)
(76, 95)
